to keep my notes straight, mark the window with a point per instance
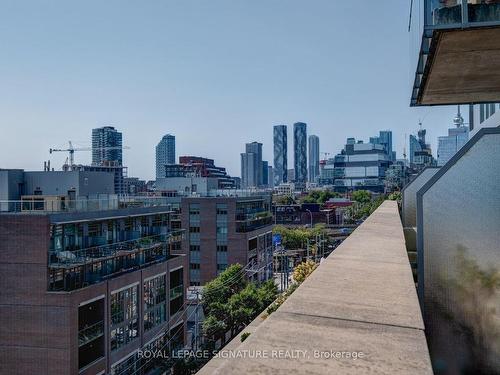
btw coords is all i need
(176, 291)
(221, 209)
(194, 247)
(194, 209)
(90, 332)
(124, 321)
(194, 229)
(221, 268)
(155, 297)
(222, 248)
(194, 266)
(129, 365)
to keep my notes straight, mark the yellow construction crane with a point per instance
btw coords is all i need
(72, 150)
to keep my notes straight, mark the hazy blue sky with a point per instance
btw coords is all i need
(215, 73)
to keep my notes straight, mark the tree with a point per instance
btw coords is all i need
(361, 196)
(219, 290)
(285, 199)
(214, 328)
(230, 303)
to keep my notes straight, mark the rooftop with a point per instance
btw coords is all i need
(361, 299)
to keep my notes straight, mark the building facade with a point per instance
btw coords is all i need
(313, 158)
(197, 167)
(385, 138)
(280, 154)
(449, 145)
(300, 152)
(420, 152)
(361, 166)
(251, 165)
(107, 146)
(89, 289)
(165, 154)
(227, 230)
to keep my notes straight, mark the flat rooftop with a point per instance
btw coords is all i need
(361, 299)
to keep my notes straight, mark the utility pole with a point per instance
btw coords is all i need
(196, 320)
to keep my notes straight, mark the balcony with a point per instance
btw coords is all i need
(247, 223)
(176, 292)
(71, 270)
(361, 299)
(455, 51)
(44, 204)
(91, 333)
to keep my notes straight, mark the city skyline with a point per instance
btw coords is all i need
(152, 82)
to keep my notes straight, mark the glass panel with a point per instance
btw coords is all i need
(483, 10)
(445, 12)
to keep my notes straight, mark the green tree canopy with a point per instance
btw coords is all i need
(361, 196)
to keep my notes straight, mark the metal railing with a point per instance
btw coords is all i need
(53, 204)
(95, 253)
(176, 292)
(90, 333)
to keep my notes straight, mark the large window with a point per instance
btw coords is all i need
(155, 306)
(176, 291)
(90, 332)
(124, 317)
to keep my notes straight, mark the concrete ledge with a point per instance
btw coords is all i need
(361, 299)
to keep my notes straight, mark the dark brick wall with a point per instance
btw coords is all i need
(38, 329)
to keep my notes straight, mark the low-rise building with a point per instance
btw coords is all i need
(83, 289)
(225, 230)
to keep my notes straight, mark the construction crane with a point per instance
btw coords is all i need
(72, 150)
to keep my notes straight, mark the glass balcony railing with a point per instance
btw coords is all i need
(90, 333)
(71, 270)
(176, 292)
(95, 253)
(426, 16)
(245, 223)
(43, 204)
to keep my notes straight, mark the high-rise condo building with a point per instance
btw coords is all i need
(280, 154)
(251, 165)
(107, 146)
(313, 158)
(165, 154)
(300, 152)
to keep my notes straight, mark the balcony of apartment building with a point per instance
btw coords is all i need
(49, 204)
(82, 254)
(252, 215)
(455, 51)
(357, 313)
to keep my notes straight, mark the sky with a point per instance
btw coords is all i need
(217, 74)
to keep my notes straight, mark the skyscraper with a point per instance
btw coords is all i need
(265, 173)
(420, 152)
(107, 146)
(313, 158)
(165, 154)
(251, 165)
(450, 144)
(300, 152)
(385, 138)
(280, 154)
